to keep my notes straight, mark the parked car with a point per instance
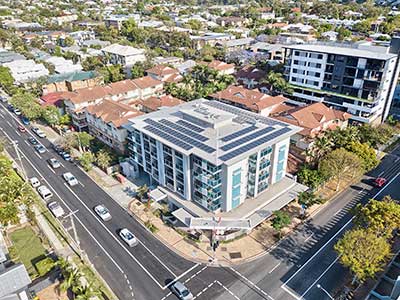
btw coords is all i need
(25, 121)
(54, 163)
(66, 156)
(21, 128)
(3, 99)
(34, 182)
(44, 192)
(17, 111)
(32, 140)
(380, 182)
(40, 149)
(102, 212)
(38, 132)
(56, 209)
(181, 291)
(128, 237)
(10, 107)
(70, 179)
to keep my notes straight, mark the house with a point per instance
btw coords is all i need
(172, 61)
(251, 100)
(268, 51)
(155, 103)
(126, 56)
(209, 38)
(148, 86)
(105, 122)
(266, 13)
(71, 81)
(78, 36)
(26, 70)
(249, 76)
(313, 119)
(116, 21)
(165, 74)
(64, 18)
(10, 56)
(222, 67)
(236, 44)
(231, 21)
(62, 65)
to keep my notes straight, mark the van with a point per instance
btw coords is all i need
(44, 192)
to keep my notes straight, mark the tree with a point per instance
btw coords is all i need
(307, 199)
(65, 120)
(381, 217)
(69, 41)
(85, 292)
(281, 220)
(142, 192)
(310, 177)
(343, 33)
(86, 160)
(366, 153)
(103, 159)
(51, 115)
(28, 105)
(6, 79)
(363, 252)
(84, 139)
(277, 83)
(112, 73)
(340, 162)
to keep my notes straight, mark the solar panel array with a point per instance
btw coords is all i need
(250, 117)
(238, 133)
(254, 144)
(179, 136)
(168, 137)
(247, 138)
(190, 125)
(184, 130)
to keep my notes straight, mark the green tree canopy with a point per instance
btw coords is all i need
(281, 220)
(366, 153)
(51, 115)
(28, 105)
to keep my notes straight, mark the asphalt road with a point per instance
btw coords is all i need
(292, 270)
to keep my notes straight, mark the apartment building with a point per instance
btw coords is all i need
(358, 79)
(211, 154)
(126, 56)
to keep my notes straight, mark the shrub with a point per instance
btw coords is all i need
(153, 228)
(44, 266)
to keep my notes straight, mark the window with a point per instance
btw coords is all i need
(282, 152)
(236, 177)
(236, 187)
(320, 56)
(319, 66)
(295, 62)
(297, 53)
(295, 71)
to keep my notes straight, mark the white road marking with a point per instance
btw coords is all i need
(26, 142)
(274, 268)
(81, 184)
(51, 169)
(308, 238)
(183, 274)
(8, 122)
(228, 290)
(381, 173)
(253, 284)
(166, 296)
(38, 155)
(17, 132)
(290, 292)
(361, 191)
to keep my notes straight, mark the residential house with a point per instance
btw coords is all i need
(266, 13)
(78, 36)
(159, 102)
(251, 100)
(64, 18)
(222, 67)
(10, 56)
(105, 122)
(71, 82)
(116, 21)
(236, 44)
(126, 56)
(26, 70)
(62, 65)
(268, 51)
(172, 61)
(250, 77)
(209, 38)
(148, 86)
(165, 74)
(231, 21)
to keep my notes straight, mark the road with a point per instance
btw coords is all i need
(292, 270)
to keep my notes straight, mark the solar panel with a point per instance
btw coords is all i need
(168, 137)
(184, 130)
(238, 133)
(247, 138)
(190, 125)
(254, 144)
(180, 136)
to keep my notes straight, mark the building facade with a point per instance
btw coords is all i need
(359, 80)
(210, 153)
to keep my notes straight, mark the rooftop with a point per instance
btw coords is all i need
(123, 50)
(217, 132)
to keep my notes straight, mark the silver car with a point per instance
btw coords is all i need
(102, 212)
(181, 291)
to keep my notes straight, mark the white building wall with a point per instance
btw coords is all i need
(274, 159)
(226, 203)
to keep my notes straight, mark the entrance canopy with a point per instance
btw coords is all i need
(219, 224)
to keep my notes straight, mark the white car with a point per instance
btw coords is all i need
(56, 209)
(17, 112)
(44, 192)
(38, 132)
(54, 163)
(34, 182)
(68, 177)
(128, 237)
(102, 212)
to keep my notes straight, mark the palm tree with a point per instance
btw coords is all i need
(142, 191)
(85, 292)
(71, 280)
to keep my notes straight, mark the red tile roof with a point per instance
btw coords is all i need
(154, 103)
(146, 82)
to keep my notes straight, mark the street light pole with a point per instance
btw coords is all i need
(76, 237)
(325, 291)
(15, 144)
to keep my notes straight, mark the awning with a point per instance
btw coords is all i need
(219, 224)
(156, 195)
(183, 216)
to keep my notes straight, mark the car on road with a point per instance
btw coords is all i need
(17, 111)
(34, 182)
(32, 140)
(38, 132)
(56, 209)
(40, 149)
(181, 291)
(66, 156)
(102, 212)
(379, 182)
(54, 163)
(44, 192)
(70, 179)
(3, 99)
(128, 237)
(21, 128)
(25, 121)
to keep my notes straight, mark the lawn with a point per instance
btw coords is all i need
(28, 248)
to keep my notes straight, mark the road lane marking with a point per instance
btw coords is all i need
(361, 191)
(228, 290)
(381, 173)
(274, 268)
(183, 274)
(320, 276)
(51, 169)
(81, 184)
(8, 122)
(26, 142)
(290, 292)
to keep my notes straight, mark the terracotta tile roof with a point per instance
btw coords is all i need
(146, 82)
(154, 103)
(277, 25)
(122, 86)
(113, 112)
(312, 117)
(218, 65)
(251, 99)
(251, 72)
(54, 98)
(162, 70)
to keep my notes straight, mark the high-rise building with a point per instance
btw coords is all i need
(359, 79)
(211, 153)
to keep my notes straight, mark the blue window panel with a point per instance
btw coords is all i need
(235, 202)
(282, 152)
(280, 166)
(236, 192)
(279, 176)
(236, 177)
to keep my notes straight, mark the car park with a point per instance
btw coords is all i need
(21, 128)
(128, 237)
(40, 149)
(44, 192)
(34, 182)
(32, 140)
(181, 291)
(17, 111)
(54, 163)
(38, 132)
(70, 179)
(380, 182)
(56, 209)
(102, 212)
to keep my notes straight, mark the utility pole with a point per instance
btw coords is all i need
(76, 237)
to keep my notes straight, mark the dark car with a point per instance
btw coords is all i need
(25, 121)
(10, 107)
(32, 140)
